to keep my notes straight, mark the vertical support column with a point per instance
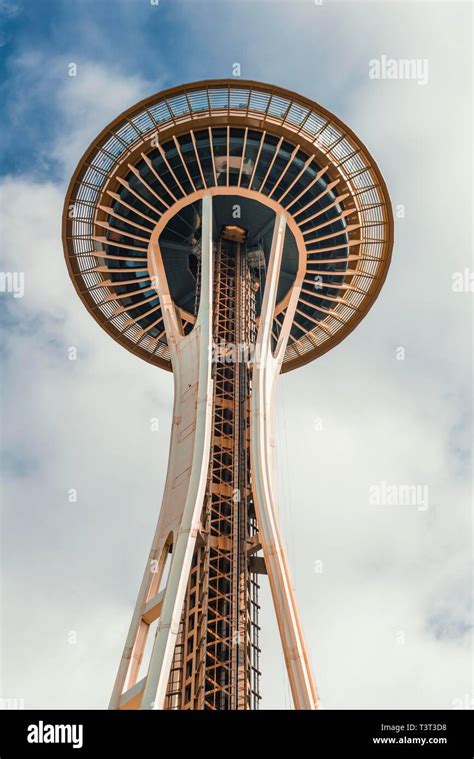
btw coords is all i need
(162, 654)
(183, 497)
(266, 369)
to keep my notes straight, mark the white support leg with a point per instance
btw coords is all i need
(266, 369)
(184, 490)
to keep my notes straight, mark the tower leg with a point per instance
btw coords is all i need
(266, 369)
(179, 521)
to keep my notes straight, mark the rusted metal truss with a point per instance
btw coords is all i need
(215, 664)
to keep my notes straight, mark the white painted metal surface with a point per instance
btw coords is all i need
(185, 482)
(266, 369)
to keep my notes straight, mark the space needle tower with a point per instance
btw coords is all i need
(226, 231)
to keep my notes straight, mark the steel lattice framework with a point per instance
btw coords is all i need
(223, 213)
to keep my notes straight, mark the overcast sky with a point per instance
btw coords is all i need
(384, 590)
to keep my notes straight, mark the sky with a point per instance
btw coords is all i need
(384, 589)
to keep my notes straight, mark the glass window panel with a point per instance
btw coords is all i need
(176, 164)
(143, 122)
(259, 101)
(239, 99)
(266, 156)
(189, 157)
(139, 188)
(251, 151)
(290, 174)
(127, 133)
(178, 105)
(204, 150)
(151, 179)
(235, 157)
(313, 124)
(219, 98)
(198, 100)
(94, 177)
(219, 142)
(114, 146)
(103, 161)
(160, 112)
(278, 106)
(296, 114)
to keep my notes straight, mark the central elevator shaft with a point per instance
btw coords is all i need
(216, 658)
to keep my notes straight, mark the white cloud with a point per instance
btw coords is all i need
(63, 418)
(79, 105)
(89, 101)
